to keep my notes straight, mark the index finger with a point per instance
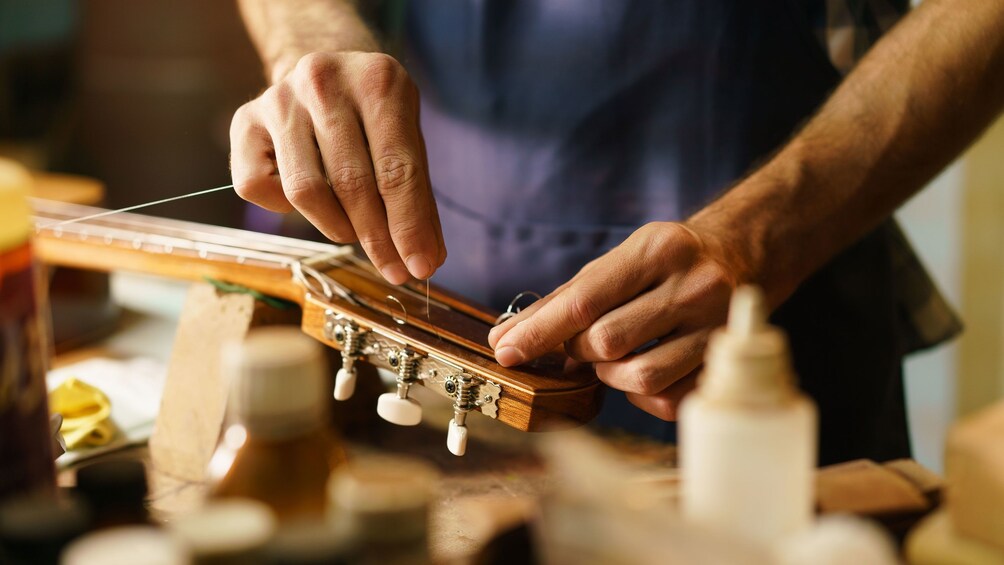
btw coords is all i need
(608, 284)
(500, 330)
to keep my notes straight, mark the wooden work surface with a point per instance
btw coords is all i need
(495, 485)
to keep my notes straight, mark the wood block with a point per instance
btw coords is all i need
(865, 487)
(974, 467)
(929, 483)
(194, 403)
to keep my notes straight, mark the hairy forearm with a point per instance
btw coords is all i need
(283, 31)
(923, 93)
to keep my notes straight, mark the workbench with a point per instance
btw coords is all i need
(494, 486)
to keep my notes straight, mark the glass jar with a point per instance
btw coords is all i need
(26, 462)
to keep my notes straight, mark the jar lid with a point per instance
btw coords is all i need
(382, 499)
(277, 380)
(225, 527)
(132, 545)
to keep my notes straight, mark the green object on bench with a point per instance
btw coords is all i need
(236, 288)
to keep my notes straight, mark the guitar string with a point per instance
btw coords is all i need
(136, 207)
(106, 213)
(365, 270)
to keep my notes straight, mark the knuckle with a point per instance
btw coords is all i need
(664, 238)
(301, 187)
(582, 309)
(315, 69)
(381, 75)
(408, 231)
(241, 121)
(342, 234)
(350, 182)
(718, 278)
(317, 76)
(374, 240)
(644, 379)
(276, 103)
(395, 174)
(662, 235)
(608, 344)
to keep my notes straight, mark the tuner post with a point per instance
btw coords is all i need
(466, 399)
(347, 334)
(397, 407)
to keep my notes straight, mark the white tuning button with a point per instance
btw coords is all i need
(400, 411)
(348, 335)
(456, 438)
(345, 383)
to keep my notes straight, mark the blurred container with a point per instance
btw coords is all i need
(310, 543)
(747, 435)
(132, 545)
(116, 492)
(277, 448)
(225, 532)
(381, 505)
(26, 461)
(34, 529)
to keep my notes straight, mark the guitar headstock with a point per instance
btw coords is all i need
(442, 343)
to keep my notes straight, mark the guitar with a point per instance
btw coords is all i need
(427, 336)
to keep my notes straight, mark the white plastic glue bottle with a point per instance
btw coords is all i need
(747, 435)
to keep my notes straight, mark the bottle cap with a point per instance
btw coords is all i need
(225, 528)
(748, 361)
(15, 213)
(382, 499)
(132, 545)
(307, 543)
(277, 381)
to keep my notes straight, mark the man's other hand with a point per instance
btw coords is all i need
(338, 139)
(642, 314)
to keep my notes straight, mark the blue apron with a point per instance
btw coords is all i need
(555, 129)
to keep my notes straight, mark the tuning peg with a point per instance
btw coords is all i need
(347, 334)
(456, 438)
(345, 383)
(464, 390)
(399, 410)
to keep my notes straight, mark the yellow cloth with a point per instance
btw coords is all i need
(85, 411)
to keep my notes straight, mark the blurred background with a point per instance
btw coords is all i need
(139, 94)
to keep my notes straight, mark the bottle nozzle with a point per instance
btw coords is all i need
(747, 311)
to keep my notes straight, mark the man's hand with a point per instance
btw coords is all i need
(338, 139)
(642, 314)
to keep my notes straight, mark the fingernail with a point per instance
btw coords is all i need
(491, 334)
(508, 356)
(419, 266)
(395, 274)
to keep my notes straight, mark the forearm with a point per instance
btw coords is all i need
(283, 31)
(916, 101)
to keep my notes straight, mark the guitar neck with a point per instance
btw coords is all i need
(333, 287)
